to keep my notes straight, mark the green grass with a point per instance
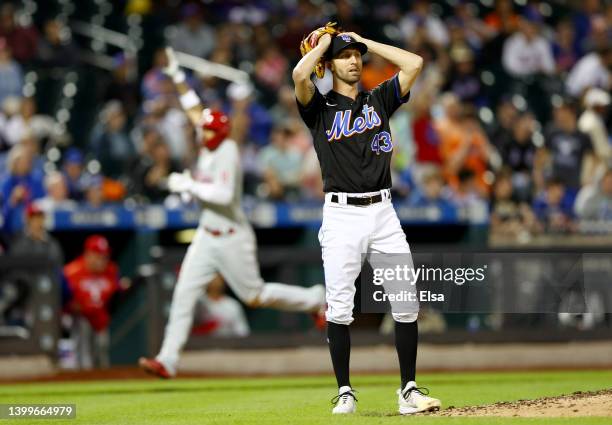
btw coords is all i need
(300, 400)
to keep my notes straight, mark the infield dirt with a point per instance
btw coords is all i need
(592, 403)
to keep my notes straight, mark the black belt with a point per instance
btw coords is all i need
(361, 201)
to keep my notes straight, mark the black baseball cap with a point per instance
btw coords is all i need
(344, 41)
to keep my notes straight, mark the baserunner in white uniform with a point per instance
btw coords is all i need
(224, 242)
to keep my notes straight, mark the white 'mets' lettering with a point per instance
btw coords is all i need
(341, 126)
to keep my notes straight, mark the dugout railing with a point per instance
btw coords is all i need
(289, 264)
(30, 305)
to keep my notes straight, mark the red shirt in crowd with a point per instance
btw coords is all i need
(426, 140)
(23, 42)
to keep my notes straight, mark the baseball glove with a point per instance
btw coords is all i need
(310, 42)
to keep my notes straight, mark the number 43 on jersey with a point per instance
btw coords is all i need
(382, 142)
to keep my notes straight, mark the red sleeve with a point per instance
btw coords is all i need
(113, 273)
(71, 272)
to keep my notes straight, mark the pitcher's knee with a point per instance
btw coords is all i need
(341, 316)
(405, 317)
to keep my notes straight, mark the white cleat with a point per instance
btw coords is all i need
(413, 399)
(345, 401)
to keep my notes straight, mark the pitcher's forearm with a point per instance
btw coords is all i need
(403, 59)
(305, 66)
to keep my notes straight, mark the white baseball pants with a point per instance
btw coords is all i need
(348, 232)
(234, 256)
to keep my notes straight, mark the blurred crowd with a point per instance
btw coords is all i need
(510, 116)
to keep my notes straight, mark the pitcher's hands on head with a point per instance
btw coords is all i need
(317, 37)
(353, 35)
(311, 41)
(323, 36)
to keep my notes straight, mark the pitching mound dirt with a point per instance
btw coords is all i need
(595, 403)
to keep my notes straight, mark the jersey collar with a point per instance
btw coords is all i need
(335, 98)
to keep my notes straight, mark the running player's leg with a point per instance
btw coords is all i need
(196, 271)
(238, 265)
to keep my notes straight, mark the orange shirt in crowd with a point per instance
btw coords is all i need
(371, 75)
(495, 21)
(453, 138)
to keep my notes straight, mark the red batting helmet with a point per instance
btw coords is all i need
(97, 243)
(218, 122)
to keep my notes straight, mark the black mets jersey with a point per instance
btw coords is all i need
(352, 138)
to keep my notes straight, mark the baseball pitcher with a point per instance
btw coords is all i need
(224, 242)
(353, 141)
